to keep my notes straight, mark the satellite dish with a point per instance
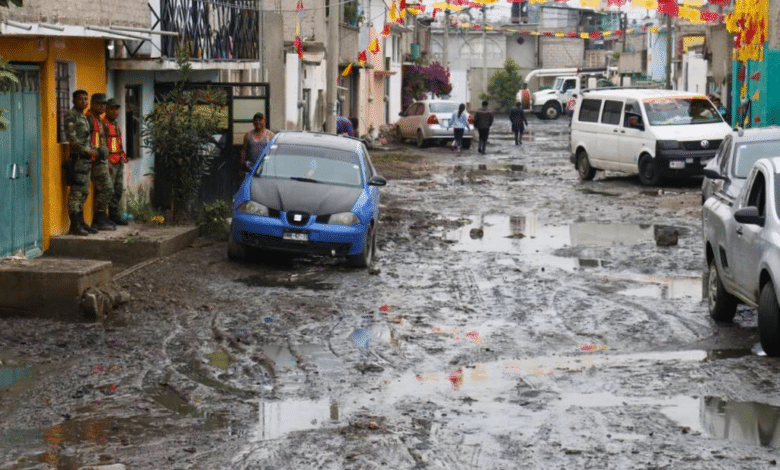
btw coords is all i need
(520, 40)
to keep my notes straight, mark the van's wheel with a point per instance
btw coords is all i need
(722, 305)
(769, 320)
(551, 111)
(421, 142)
(586, 171)
(366, 257)
(649, 174)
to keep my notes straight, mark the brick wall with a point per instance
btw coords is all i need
(84, 12)
(561, 52)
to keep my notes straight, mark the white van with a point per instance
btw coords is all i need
(653, 133)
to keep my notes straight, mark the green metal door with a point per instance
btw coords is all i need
(20, 167)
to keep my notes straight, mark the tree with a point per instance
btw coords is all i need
(420, 80)
(504, 85)
(8, 82)
(180, 131)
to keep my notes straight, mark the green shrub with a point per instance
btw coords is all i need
(138, 206)
(212, 221)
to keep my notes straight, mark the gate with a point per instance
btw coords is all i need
(20, 167)
(222, 180)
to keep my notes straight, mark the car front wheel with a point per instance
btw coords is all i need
(366, 257)
(551, 112)
(649, 174)
(236, 251)
(769, 320)
(398, 134)
(722, 305)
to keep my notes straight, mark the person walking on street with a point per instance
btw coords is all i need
(81, 153)
(483, 119)
(103, 190)
(116, 160)
(459, 122)
(517, 118)
(346, 126)
(254, 143)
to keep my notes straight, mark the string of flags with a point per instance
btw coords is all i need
(399, 10)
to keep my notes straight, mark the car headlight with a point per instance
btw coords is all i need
(667, 144)
(344, 218)
(251, 207)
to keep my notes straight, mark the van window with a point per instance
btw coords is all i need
(633, 108)
(612, 112)
(676, 111)
(589, 110)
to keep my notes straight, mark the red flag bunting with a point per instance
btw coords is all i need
(299, 6)
(756, 76)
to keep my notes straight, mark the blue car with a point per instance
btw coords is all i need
(309, 193)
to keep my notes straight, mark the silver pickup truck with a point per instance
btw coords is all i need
(742, 250)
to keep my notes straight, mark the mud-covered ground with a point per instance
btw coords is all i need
(515, 318)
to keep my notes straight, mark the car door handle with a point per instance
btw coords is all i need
(622, 131)
(739, 231)
(614, 130)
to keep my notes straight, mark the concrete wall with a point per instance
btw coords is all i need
(81, 12)
(561, 52)
(656, 55)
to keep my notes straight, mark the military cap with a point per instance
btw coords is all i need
(98, 98)
(112, 103)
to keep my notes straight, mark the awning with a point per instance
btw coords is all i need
(17, 28)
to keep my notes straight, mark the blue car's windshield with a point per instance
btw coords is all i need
(311, 168)
(748, 153)
(676, 111)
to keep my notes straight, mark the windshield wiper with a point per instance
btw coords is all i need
(301, 178)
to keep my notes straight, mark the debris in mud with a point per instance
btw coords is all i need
(366, 367)
(476, 233)
(97, 302)
(665, 236)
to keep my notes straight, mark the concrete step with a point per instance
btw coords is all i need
(126, 245)
(49, 287)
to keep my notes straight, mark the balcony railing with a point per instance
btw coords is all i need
(211, 29)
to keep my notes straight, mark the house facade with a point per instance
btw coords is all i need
(58, 47)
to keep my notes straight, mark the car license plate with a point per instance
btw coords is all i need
(445, 122)
(296, 236)
(677, 165)
(689, 160)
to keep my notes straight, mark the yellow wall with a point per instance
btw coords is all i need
(88, 55)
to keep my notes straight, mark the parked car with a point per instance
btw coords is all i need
(740, 149)
(653, 133)
(742, 250)
(426, 121)
(309, 193)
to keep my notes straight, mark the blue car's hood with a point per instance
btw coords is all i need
(301, 196)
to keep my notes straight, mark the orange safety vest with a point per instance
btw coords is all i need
(114, 144)
(96, 131)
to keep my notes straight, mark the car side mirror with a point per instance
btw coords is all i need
(402, 114)
(377, 180)
(713, 174)
(635, 121)
(749, 215)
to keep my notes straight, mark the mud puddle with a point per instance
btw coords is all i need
(525, 235)
(10, 376)
(665, 287)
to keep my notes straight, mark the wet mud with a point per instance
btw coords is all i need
(516, 317)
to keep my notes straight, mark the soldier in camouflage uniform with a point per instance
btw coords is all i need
(116, 160)
(81, 152)
(100, 177)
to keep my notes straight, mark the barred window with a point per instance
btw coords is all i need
(63, 98)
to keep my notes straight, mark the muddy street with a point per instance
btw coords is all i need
(515, 317)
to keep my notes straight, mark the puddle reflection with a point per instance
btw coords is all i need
(666, 287)
(11, 375)
(738, 421)
(277, 418)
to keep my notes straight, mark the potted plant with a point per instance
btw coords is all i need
(353, 15)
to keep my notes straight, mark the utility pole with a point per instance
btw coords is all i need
(332, 68)
(446, 58)
(484, 50)
(668, 52)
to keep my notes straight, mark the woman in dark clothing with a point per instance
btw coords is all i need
(517, 117)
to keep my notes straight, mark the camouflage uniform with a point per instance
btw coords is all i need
(79, 131)
(100, 175)
(116, 164)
